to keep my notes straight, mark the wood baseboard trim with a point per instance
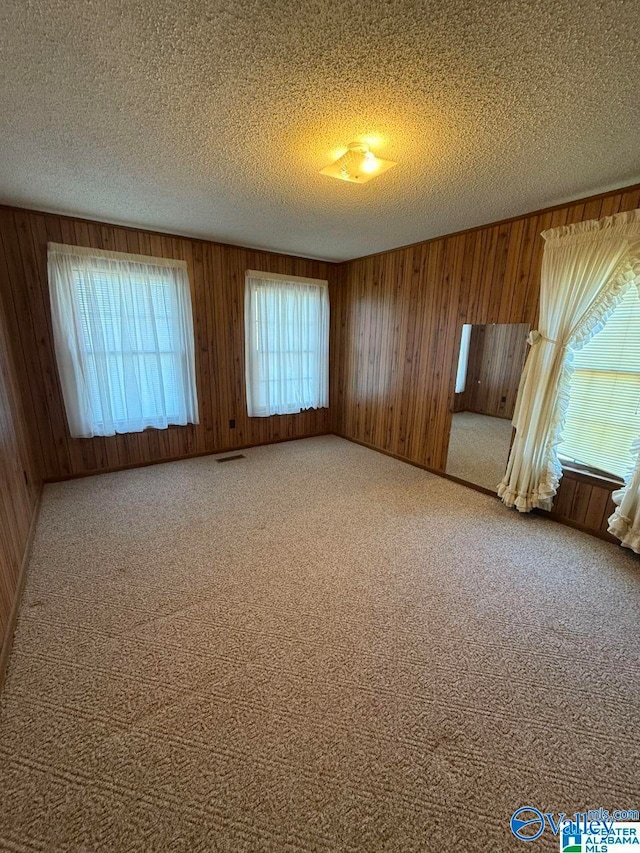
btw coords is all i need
(605, 537)
(198, 455)
(7, 640)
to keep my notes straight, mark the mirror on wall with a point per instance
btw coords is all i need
(490, 362)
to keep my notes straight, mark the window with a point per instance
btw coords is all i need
(463, 358)
(286, 344)
(603, 419)
(123, 333)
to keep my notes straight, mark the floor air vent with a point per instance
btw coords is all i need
(231, 458)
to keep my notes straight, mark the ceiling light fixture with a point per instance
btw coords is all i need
(358, 165)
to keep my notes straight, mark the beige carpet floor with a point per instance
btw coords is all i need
(479, 448)
(316, 648)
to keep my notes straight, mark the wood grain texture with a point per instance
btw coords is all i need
(395, 331)
(496, 358)
(585, 504)
(398, 318)
(216, 273)
(19, 484)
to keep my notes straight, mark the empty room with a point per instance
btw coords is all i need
(319, 426)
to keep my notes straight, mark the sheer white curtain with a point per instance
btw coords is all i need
(123, 332)
(585, 269)
(286, 344)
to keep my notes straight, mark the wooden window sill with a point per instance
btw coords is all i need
(594, 478)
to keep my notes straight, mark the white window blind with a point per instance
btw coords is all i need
(123, 332)
(286, 344)
(603, 419)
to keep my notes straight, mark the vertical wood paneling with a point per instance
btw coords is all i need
(19, 481)
(496, 358)
(216, 273)
(582, 503)
(395, 327)
(398, 332)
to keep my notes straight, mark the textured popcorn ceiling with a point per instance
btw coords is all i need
(213, 118)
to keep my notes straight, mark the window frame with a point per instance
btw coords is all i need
(594, 476)
(253, 333)
(83, 282)
(593, 473)
(175, 353)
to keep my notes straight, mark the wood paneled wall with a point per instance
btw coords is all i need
(496, 358)
(583, 503)
(19, 483)
(217, 275)
(398, 317)
(395, 332)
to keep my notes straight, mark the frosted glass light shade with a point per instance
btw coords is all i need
(357, 165)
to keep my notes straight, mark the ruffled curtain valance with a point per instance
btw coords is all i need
(585, 270)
